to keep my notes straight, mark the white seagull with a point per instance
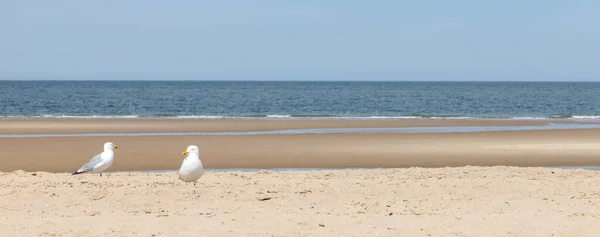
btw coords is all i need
(100, 162)
(191, 167)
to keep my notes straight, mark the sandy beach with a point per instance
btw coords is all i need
(465, 201)
(438, 184)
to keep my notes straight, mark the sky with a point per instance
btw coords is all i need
(537, 40)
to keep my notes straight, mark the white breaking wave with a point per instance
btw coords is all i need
(278, 116)
(457, 118)
(530, 118)
(200, 117)
(587, 117)
(74, 116)
(394, 117)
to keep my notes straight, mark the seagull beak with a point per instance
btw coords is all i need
(184, 153)
(116, 147)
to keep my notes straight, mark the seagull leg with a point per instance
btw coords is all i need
(100, 174)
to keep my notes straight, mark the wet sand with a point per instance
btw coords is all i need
(37, 126)
(578, 147)
(465, 201)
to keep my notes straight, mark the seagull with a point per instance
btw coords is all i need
(191, 167)
(100, 162)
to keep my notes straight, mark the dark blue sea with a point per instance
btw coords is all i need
(305, 100)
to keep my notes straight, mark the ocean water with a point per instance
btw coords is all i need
(306, 100)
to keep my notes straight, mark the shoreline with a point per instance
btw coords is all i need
(397, 130)
(302, 118)
(273, 117)
(70, 126)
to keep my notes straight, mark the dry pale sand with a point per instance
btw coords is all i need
(466, 201)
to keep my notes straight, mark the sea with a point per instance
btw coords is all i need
(299, 100)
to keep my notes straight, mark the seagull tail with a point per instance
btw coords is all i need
(77, 172)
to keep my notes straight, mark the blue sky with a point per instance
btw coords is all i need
(300, 40)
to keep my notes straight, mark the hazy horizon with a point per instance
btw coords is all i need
(275, 80)
(301, 41)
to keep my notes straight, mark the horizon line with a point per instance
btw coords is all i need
(200, 80)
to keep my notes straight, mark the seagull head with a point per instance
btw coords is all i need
(191, 150)
(109, 146)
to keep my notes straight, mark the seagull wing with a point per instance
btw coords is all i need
(90, 165)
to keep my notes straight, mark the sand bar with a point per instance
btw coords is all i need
(513, 148)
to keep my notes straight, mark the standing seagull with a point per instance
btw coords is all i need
(100, 162)
(191, 167)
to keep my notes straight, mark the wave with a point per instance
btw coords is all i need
(73, 116)
(278, 116)
(199, 117)
(593, 117)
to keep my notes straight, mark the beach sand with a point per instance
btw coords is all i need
(485, 198)
(513, 148)
(464, 201)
